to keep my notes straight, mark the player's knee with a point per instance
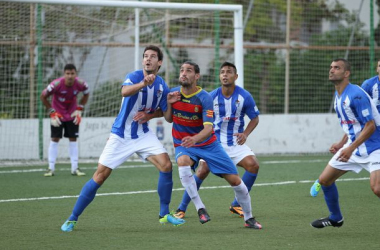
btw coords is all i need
(167, 166)
(202, 170)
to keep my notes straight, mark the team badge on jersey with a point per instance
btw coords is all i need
(196, 109)
(237, 103)
(159, 93)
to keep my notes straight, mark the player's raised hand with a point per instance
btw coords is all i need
(149, 79)
(55, 118)
(173, 97)
(77, 114)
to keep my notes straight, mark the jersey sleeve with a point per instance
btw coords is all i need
(131, 78)
(163, 102)
(250, 107)
(362, 105)
(207, 109)
(366, 86)
(50, 89)
(83, 86)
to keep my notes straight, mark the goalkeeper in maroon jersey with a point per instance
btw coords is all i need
(65, 115)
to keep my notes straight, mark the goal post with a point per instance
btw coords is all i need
(105, 40)
(236, 9)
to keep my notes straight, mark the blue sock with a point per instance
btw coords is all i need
(332, 201)
(186, 198)
(86, 196)
(164, 189)
(248, 179)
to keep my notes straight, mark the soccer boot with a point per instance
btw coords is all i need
(78, 173)
(314, 190)
(253, 223)
(68, 226)
(237, 210)
(172, 220)
(180, 214)
(326, 222)
(49, 173)
(203, 216)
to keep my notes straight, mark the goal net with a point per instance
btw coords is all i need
(38, 39)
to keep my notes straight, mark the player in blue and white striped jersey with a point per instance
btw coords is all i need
(372, 87)
(144, 96)
(360, 146)
(231, 104)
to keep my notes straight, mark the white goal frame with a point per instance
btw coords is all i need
(237, 9)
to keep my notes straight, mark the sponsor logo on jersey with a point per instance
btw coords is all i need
(348, 122)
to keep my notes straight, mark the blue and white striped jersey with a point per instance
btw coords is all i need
(354, 109)
(148, 99)
(229, 113)
(371, 86)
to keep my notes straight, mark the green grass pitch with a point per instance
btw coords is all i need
(124, 215)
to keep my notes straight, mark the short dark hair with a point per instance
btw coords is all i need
(69, 66)
(347, 65)
(157, 49)
(228, 64)
(196, 66)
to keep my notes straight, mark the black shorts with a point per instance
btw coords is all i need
(71, 130)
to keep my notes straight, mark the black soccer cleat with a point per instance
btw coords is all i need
(203, 216)
(253, 223)
(326, 222)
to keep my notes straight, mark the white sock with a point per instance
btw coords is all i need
(188, 182)
(53, 152)
(73, 150)
(242, 196)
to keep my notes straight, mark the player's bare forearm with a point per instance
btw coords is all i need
(44, 100)
(84, 99)
(129, 90)
(168, 114)
(205, 132)
(367, 131)
(251, 126)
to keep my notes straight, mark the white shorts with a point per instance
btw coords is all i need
(356, 163)
(238, 152)
(118, 150)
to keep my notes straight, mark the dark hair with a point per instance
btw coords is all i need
(196, 66)
(69, 66)
(347, 65)
(228, 64)
(157, 49)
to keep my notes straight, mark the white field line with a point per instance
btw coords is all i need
(17, 171)
(176, 189)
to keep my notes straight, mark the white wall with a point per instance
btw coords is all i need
(302, 133)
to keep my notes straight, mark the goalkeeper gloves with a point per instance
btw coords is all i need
(77, 114)
(55, 120)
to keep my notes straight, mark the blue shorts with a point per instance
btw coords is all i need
(217, 159)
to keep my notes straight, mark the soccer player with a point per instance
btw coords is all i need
(360, 146)
(372, 87)
(231, 104)
(65, 114)
(194, 139)
(144, 94)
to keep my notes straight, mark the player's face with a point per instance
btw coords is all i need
(337, 72)
(227, 76)
(378, 68)
(150, 62)
(70, 75)
(187, 75)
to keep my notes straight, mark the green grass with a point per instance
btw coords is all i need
(130, 220)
